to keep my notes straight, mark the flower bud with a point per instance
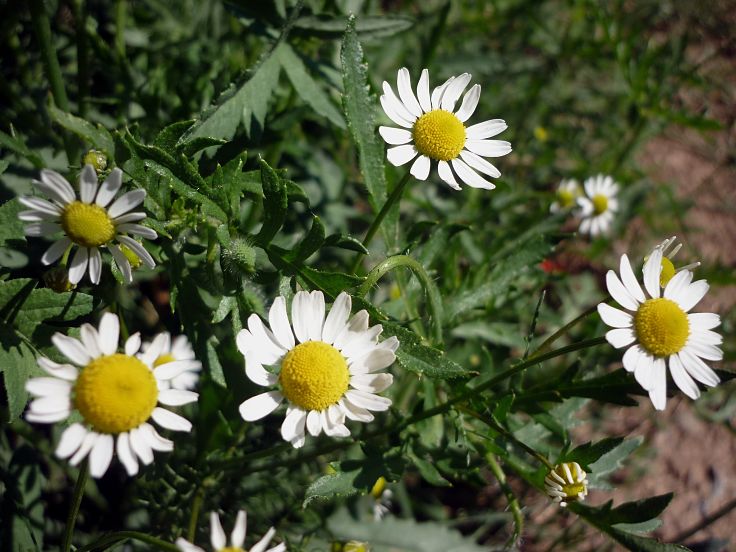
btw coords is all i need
(566, 483)
(239, 257)
(57, 279)
(97, 159)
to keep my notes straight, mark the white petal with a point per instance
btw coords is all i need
(40, 205)
(89, 440)
(174, 368)
(51, 418)
(682, 379)
(317, 315)
(470, 102)
(629, 280)
(267, 342)
(355, 412)
(645, 372)
(314, 423)
(423, 92)
(41, 229)
(37, 216)
(88, 184)
(63, 371)
(436, 97)
(261, 545)
(488, 148)
(260, 406)
(237, 537)
(54, 181)
(619, 292)
(621, 337)
(361, 343)
(133, 344)
(652, 269)
(443, 168)
(368, 400)
(614, 317)
(138, 249)
(400, 155)
(376, 359)
(101, 455)
(631, 358)
(50, 405)
(217, 535)
(692, 295)
(71, 440)
(698, 369)
(331, 428)
(703, 350)
(390, 344)
(126, 202)
(337, 318)
(130, 217)
(109, 187)
(137, 230)
(95, 265)
(278, 548)
(176, 397)
(703, 320)
(48, 387)
(78, 266)
(169, 420)
(140, 446)
(453, 91)
(300, 310)
(293, 425)
(420, 168)
(257, 373)
(678, 284)
(109, 332)
(395, 136)
(658, 394)
(707, 337)
(393, 112)
(407, 94)
(371, 383)
(122, 262)
(469, 176)
(151, 437)
(125, 454)
(397, 105)
(71, 348)
(479, 164)
(186, 546)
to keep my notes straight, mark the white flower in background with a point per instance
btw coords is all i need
(668, 268)
(600, 205)
(566, 483)
(434, 131)
(658, 331)
(327, 374)
(163, 350)
(566, 196)
(90, 222)
(381, 499)
(237, 538)
(115, 394)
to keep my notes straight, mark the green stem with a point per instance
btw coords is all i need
(120, 17)
(433, 294)
(395, 197)
(80, 21)
(74, 506)
(512, 500)
(545, 346)
(196, 507)
(106, 541)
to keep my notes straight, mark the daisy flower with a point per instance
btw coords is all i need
(237, 538)
(115, 394)
(163, 350)
(566, 196)
(434, 131)
(600, 205)
(381, 499)
(566, 483)
(658, 331)
(90, 222)
(668, 268)
(325, 368)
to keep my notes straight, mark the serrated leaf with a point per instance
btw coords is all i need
(306, 87)
(17, 146)
(96, 135)
(367, 27)
(17, 363)
(11, 235)
(213, 363)
(227, 304)
(168, 138)
(311, 242)
(428, 471)
(274, 204)
(332, 283)
(588, 453)
(345, 242)
(613, 459)
(199, 143)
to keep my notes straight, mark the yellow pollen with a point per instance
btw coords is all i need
(133, 259)
(231, 549)
(572, 490)
(565, 198)
(115, 393)
(439, 135)
(600, 204)
(163, 359)
(661, 327)
(87, 224)
(314, 375)
(668, 271)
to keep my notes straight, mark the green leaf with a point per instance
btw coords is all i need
(245, 104)
(311, 242)
(168, 138)
(359, 106)
(97, 135)
(199, 143)
(12, 238)
(332, 283)
(367, 27)
(428, 471)
(589, 453)
(22, 521)
(17, 364)
(421, 359)
(274, 204)
(17, 146)
(345, 242)
(213, 363)
(612, 461)
(306, 87)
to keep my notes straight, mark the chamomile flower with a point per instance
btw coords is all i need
(566, 196)
(566, 483)
(115, 394)
(381, 499)
(658, 330)
(237, 538)
(90, 222)
(600, 205)
(325, 368)
(668, 268)
(163, 350)
(434, 131)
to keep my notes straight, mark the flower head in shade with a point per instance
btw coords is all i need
(326, 368)
(658, 330)
(566, 196)
(433, 130)
(381, 499)
(115, 393)
(599, 205)
(89, 223)
(566, 483)
(237, 538)
(163, 350)
(668, 267)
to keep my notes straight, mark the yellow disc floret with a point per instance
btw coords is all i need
(668, 271)
(87, 224)
(163, 359)
(565, 198)
(115, 393)
(439, 135)
(133, 259)
(314, 375)
(600, 204)
(378, 487)
(661, 327)
(230, 549)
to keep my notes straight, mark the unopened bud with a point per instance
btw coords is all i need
(97, 159)
(239, 257)
(57, 279)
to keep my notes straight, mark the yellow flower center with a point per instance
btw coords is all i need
(163, 359)
(600, 204)
(661, 327)
(572, 490)
(314, 375)
(133, 259)
(231, 549)
(87, 224)
(668, 271)
(115, 393)
(378, 487)
(439, 135)
(565, 198)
